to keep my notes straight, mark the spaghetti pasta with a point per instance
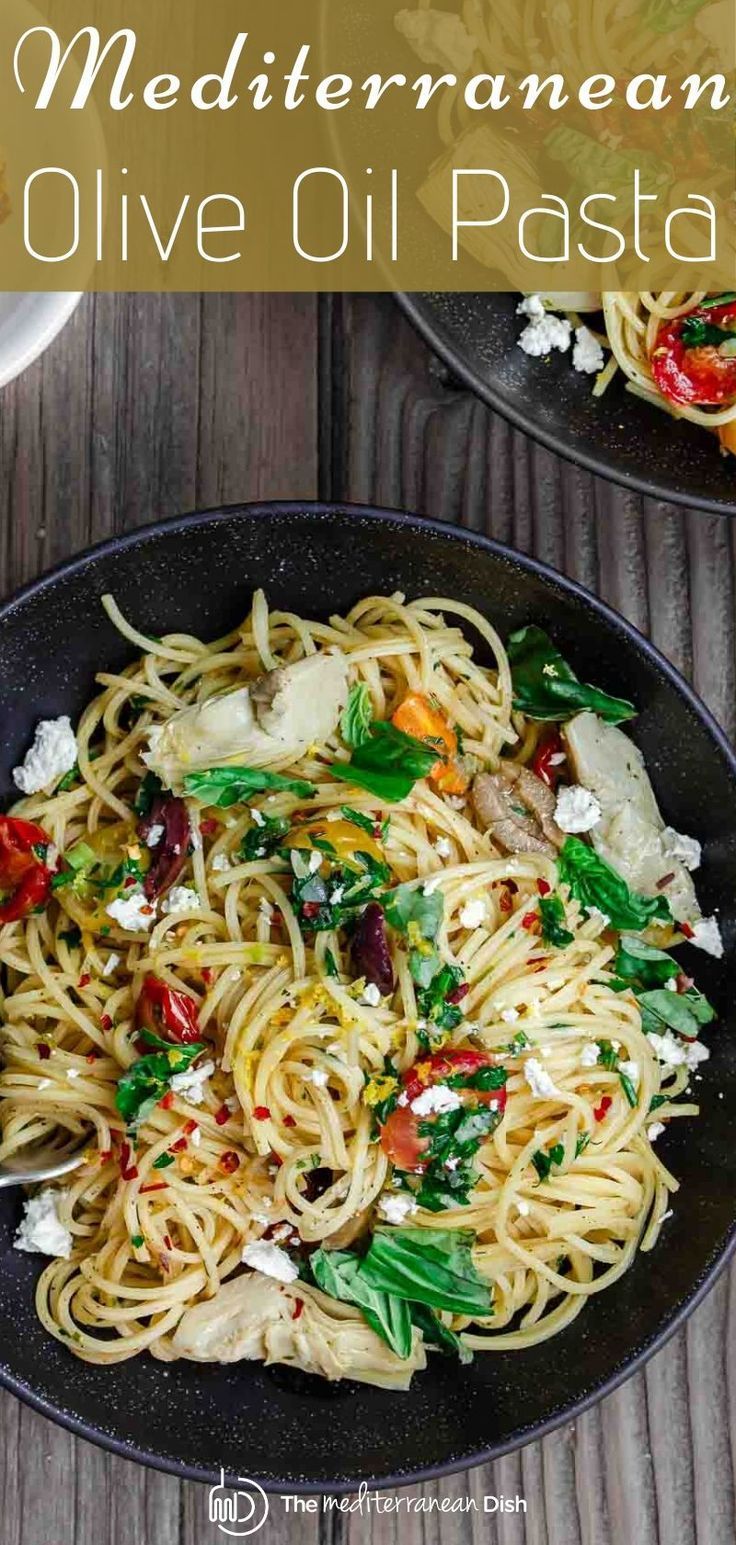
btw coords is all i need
(284, 1066)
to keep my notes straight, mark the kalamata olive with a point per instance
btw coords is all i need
(370, 951)
(169, 853)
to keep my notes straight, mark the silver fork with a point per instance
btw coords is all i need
(40, 1164)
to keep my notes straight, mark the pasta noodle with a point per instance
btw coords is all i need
(159, 1215)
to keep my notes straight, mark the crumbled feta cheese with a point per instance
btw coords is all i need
(190, 1084)
(111, 964)
(707, 936)
(53, 753)
(336, 895)
(655, 1130)
(181, 898)
(270, 1260)
(453, 1162)
(544, 334)
(430, 886)
(133, 911)
(539, 1080)
(671, 984)
(695, 1053)
(473, 913)
(666, 1215)
(370, 995)
(630, 1070)
(675, 1054)
(396, 1207)
(220, 863)
(509, 1016)
(443, 847)
(587, 354)
(155, 834)
(257, 818)
(319, 1077)
(590, 1054)
(438, 37)
(532, 307)
(686, 850)
(523, 1208)
(73, 1073)
(41, 1231)
(577, 810)
(436, 1101)
(315, 861)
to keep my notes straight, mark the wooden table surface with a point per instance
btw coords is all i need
(148, 406)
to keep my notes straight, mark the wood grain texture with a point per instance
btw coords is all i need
(150, 405)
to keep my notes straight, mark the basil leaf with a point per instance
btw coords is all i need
(697, 333)
(222, 787)
(264, 838)
(595, 884)
(147, 1080)
(359, 818)
(388, 763)
(433, 1001)
(438, 1335)
(682, 1012)
(357, 717)
(552, 913)
(643, 966)
(428, 1266)
(340, 1276)
(546, 687)
(409, 904)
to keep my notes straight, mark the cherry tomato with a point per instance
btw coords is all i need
(25, 879)
(542, 765)
(400, 1136)
(169, 1014)
(696, 373)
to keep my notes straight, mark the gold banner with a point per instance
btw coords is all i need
(562, 145)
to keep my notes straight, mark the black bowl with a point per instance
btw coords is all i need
(616, 436)
(290, 1432)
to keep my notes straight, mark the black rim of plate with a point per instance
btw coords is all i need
(390, 517)
(417, 311)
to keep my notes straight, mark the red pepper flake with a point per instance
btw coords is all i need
(605, 1105)
(261, 1113)
(160, 1185)
(44, 1051)
(275, 1158)
(208, 827)
(105, 1155)
(128, 1171)
(529, 919)
(208, 976)
(106, 1022)
(458, 993)
(92, 1056)
(222, 1115)
(505, 904)
(178, 1146)
(167, 1242)
(311, 909)
(168, 1100)
(543, 888)
(85, 980)
(298, 1308)
(289, 1121)
(190, 1126)
(229, 1162)
(127, 883)
(687, 930)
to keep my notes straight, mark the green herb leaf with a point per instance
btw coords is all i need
(697, 333)
(409, 904)
(595, 884)
(428, 1266)
(72, 936)
(629, 1089)
(163, 1161)
(79, 861)
(263, 839)
(355, 724)
(388, 763)
(432, 1001)
(69, 780)
(146, 1081)
(340, 1275)
(136, 1240)
(331, 965)
(644, 970)
(359, 818)
(221, 787)
(546, 687)
(552, 913)
(543, 1162)
(150, 786)
(438, 1335)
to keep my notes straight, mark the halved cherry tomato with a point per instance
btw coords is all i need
(25, 879)
(400, 1137)
(416, 716)
(696, 373)
(169, 1014)
(543, 766)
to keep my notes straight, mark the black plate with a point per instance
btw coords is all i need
(196, 574)
(617, 436)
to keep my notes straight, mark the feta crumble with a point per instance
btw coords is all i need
(443, 847)
(509, 1016)
(590, 1054)
(370, 996)
(473, 913)
(257, 817)
(270, 1260)
(435, 1101)
(707, 936)
(132, 911)
(111, 964)
(319, 1077)
(655, 1130)
(523, 1208)
(686, 850)
(531, 306)
(438, 37)
(181, 898)
(672, 1053)
(41, 1231)
(630, 1070)
(539, 1080)
(543, 334)
(53, 753)
(221, 863)
(587, 354)
(155, 834)
(577, 810)
(190, 1084)
(395, 1208)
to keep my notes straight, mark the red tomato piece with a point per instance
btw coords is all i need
(697, 373)
(25, 879)
(169, 1014)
